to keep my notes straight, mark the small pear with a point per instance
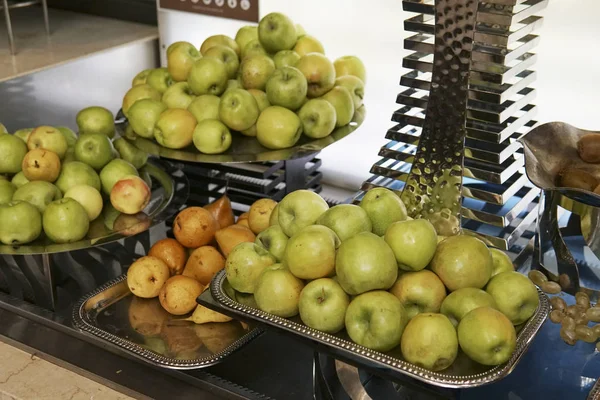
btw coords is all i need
(233, 235)
(203, 315)
(222, 211)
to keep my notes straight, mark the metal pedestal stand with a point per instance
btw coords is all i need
(8, 5)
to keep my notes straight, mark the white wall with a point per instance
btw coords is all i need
(569, 56)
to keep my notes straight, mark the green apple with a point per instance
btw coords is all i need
(323, 304)
(89, 198)
(233, 84)
(502, 262)
(287, 88)
(253, 48)
(355, 86)
(208, 76)
(77, 173)
(413, 242)
(515, 296)
(318, 118)
(130, 153)
(143, 116)
(276, 32)
(97, 119)
(3, 130)
(246, 299)
(300, 209)
(308, 44)
(140, 78)
(180, 57)
(12, 152)
(65, 221)
(350, 65)
(462, 301)
(300, 31)
(278, 128)
(19, 179)
(365, 262)
(419, 292)
(274, 218)
(277, 291)
(319, 73)
(245, 35)
(175, 128)
(462, 261)
(376, 320)
(69, 156)
(38, 194)
(238, 109)
(94, 149)
(255, 71)
(346, 220)
(48, 138)
(487, 336)
(23, 134)
(430, 341)
(113, 172)
(310, 252)
(219, 40)
(7, 189)
(211, 136)
(341, 99)
(159, 79)
(263, 102)
(286, 58)
(178, 95)
(228, 57)
(273, 240)
(205, 107)
(134, 94)
(383, 207)
(21, 222)
(69, 135)
(244, 265)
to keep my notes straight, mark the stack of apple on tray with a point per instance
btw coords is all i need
(390, 281)
(65, 186)
(272, 82)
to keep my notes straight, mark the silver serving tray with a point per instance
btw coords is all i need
(247, 149)
(169, 193)
(464, 373)
(105, 314)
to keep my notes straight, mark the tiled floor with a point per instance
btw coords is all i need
(27, 377)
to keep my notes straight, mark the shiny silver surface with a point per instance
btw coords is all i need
(107, 314)
(464, 373)
(167, 198)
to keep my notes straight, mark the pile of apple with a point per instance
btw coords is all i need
(389, 280)
(272, 82)
(56, 182)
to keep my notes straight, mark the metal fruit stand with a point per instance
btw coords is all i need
(484, 71)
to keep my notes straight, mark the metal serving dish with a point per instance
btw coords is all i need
(170, 191)
(244, 148)
(464, 373)
(141, 328)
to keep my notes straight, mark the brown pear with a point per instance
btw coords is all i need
(203, 315)
(222, 211)
(179, 293)
(203, 264)
(233, 235)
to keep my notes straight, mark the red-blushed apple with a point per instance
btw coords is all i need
(350, 65)
(277, 32)
(244, 265)
(462, 301)
(310, 253)
(96, 119)
(180, 57)
(308, 44)
(502, 262)
(376, 320)
(211, 136)
(286, 58)
(318, 118)
(355, 86)
(219, 40)
(136, 93)
(300, 209)
(383, 207)
(287, 88)
(430, 341)
(175, 128)
(278, 291)
(255, 71)
(65, 221)
(323, 304)
(21, 222)
(205, 107)
(515, 296)
(278, 128)
(130, 194)
(419, 292)
(112, 172)
(48, 138)
(414, 243)
(41, 165)
(208, 75)
(319, 73)
(12, 152)
(238, 109)
(228, 56)
(178, 95)
(341, 99)
(487, 336)
(346, 220)
(245, 35)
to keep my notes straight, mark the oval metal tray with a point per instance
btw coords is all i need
(106, 313)
(463, 373)
(170, 191)
(247, 149)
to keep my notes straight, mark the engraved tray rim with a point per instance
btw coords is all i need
(83, 322)
(377, 359)
(177, 197)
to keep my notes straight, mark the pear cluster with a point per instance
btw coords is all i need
(388, 280)
(272, 82)
(64, 186)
